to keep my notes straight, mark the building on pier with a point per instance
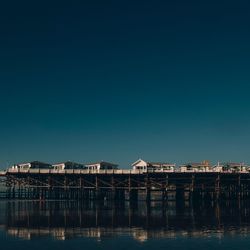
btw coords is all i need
(68, 165)
(203, 166)
(101, 165)
(32, 165)
(231, 167)
(153, 166)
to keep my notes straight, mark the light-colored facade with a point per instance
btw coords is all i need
(32, 165)
(197, 167)
(153, 166)
(231, 167)
(68, 165)
(101, 165)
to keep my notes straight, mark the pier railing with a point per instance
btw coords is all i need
(110, 171)
(83, 171)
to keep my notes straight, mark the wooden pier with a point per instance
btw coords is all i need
(123, 185)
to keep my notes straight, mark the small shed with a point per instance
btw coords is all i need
(153, 166)
(32, 165)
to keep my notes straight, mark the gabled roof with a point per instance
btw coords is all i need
(101, 162)
(136, 162)
(67, 162)
(34, 162)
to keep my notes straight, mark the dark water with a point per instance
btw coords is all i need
(73, 225)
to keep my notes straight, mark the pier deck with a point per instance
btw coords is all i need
(124, 184)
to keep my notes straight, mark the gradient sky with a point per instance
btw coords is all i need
(118, 80)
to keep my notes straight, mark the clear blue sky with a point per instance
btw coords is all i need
(119, 80)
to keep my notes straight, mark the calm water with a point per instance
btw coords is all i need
(71, 225)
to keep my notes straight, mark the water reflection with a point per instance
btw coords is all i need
(65, 220)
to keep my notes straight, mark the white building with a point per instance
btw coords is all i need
(197, 167)
(230, 167)
(101, 165)
(153, 166)
(32, 165)
(68, 165)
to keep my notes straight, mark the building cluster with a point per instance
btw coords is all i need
(65, 165)
(204, 166)
(139, 165)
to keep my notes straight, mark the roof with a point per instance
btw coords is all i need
(233, 164)
(34, 162)
(196, 164)
(160, 163)
(101, 162)
(67, 162)
(137, 162)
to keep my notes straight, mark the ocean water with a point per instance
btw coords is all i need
(106, 225)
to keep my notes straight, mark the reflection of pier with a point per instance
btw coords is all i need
(125, 185)
(63, 220)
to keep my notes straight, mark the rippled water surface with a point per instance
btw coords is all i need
(73, 225)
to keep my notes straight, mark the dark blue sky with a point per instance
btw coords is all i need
(119, 80)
